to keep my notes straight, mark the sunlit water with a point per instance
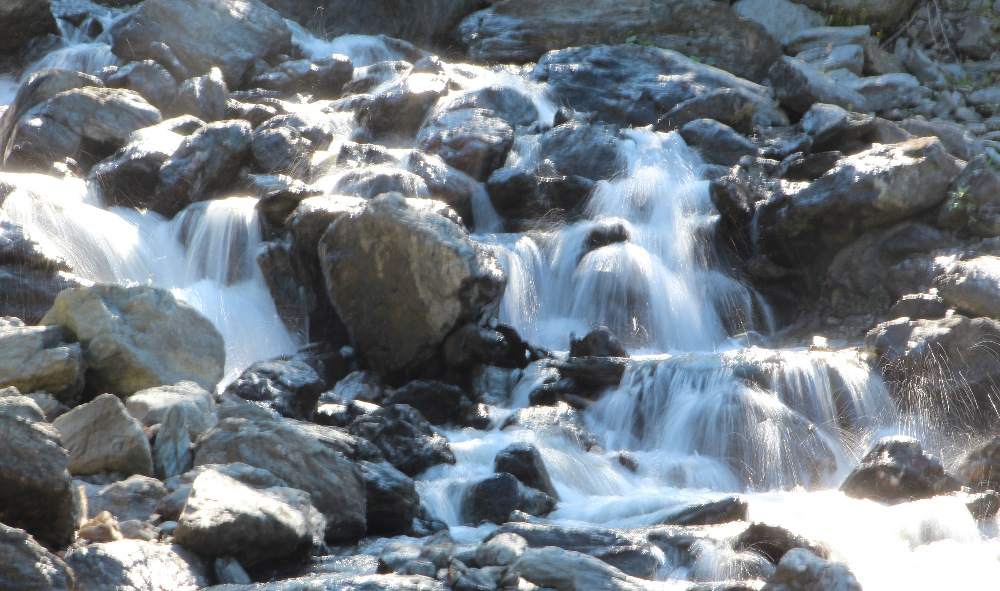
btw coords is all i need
(703, 418)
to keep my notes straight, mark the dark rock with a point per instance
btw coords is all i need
(833, 128)
(973, 205)
(773, 542)
(284, 144)
(724, 510)
(323, 78)
(511, 105)
(919, 306)
(204, 97)
(438, 402)
(404, 437)
(592, 375)
(980, 470)
(495, 497)
(289, 387)
(522, 31)
(596, 343)
(392, 499)
(500, 346)
(149, 79)
(201, 35)
(471, 140)
(445, 183)
(136, 497)
(801, 570)
(369, 183)
(985, 506)
(727, 106)
(136, 564)
(605, 232)
(798, 86)
(21, 21)
(809, 167)
(30, 279)
(716, 142)
(27, 566)
(36, 492)
(396, 113)
(898, 470)
(524, 462)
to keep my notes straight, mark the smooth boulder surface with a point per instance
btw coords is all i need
(402, 277)
(495, 497)
(135, 497)
(898, 470)
(102, 437)
(36, 492)
(136, 565)
(200, 34)
(521, 31)
(223, 517)
(524, 462)
(27, 566)
(335, 484)
(38, 359)
(139, 337)
(781, 18)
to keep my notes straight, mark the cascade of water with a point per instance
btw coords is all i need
(85, 47)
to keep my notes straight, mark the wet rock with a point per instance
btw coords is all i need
(225, 518)
(323, 78)
(203, 97)
(781, 18)
(23, 20)
(129, 177)
(199, 35)
(631, 554)
(797, 86)
(898, 470)
(500, 347)
(833, 128)
(29, 278)
(290, 387)
(83, 124)
(349, 582)
(37, 359)
(560, 420)
(727, 106)
(523, 31)
(980, 470)
(429, 277)
(445, 183)
(640, 84)
(716, 142)
(724, 510)
(136, 564)
(438, 402)
(524, 462)
(152, 405)
(801, 570)
(565, 570)
(774, 542)
(919, 306)
(471, 140)
(139, 337)
(510, 104)
(335, 484)
(396, 112)
(495, 497)
(885, 184)
(392, 499)
(27, 566)
(404, 437)
(284, 144)
(606, 232)
(36, 493)
(972, 286)
(205, 163)
(149, 79)
(136, 498)
(102, 437)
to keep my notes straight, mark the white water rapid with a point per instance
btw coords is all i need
(703, 416)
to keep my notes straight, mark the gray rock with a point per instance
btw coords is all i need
(956, 137)
(285, 144)
(978, 41)
(136, 565)
(891, 91)
(725, 106)
(565, 570)
(289, 387)
(170, 506)
(205, 163)
(781, 18)
(77, 124)
(36, 492)
(823, 37)
(134, 498)
(840, 57)
(346, 582)
(27, 566)
(561, 420)
(139, 337)
(834, 129)
(200, 35)
(23, 20)
(102, 437)
(322, 79)
(395, 113)
(798, 86)
(897, 470)
(420, 275)
(878, 187)
(716, 142)
(30, 279)
(152, 405)
(919, 306)
(989, 95)
(801, 570)
(203, 97)
(149, 79)
(37, 359)
(641, 83)
(404, 437)
(335, 484)
(522, 31)
(172, 447)
(972, 286)
(392, 499)
(223, 517)
(918, 63)
(471, 140)
(501, 550)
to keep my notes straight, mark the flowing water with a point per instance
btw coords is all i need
(703, 416)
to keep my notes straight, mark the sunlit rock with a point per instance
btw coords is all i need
(138, 565)
(38, 359)
(897, 470)
(27, 566)
(102, 437)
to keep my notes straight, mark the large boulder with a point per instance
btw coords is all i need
(872, 189)
(82, 124)
(522, 30)
(229, 34)
(392, 499)
(335, 484)
(136, 497)
(150, 79)
(102, 437)
(136, 565)
(640, 84)
(30, 279)
(897, 469)
(37, 359)
(139, 337)
(22, 20)
(472, 140)
(524, 462)
(223, 517)
(27, 566)
(402, 277)
(36, 492)
(395, 112)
